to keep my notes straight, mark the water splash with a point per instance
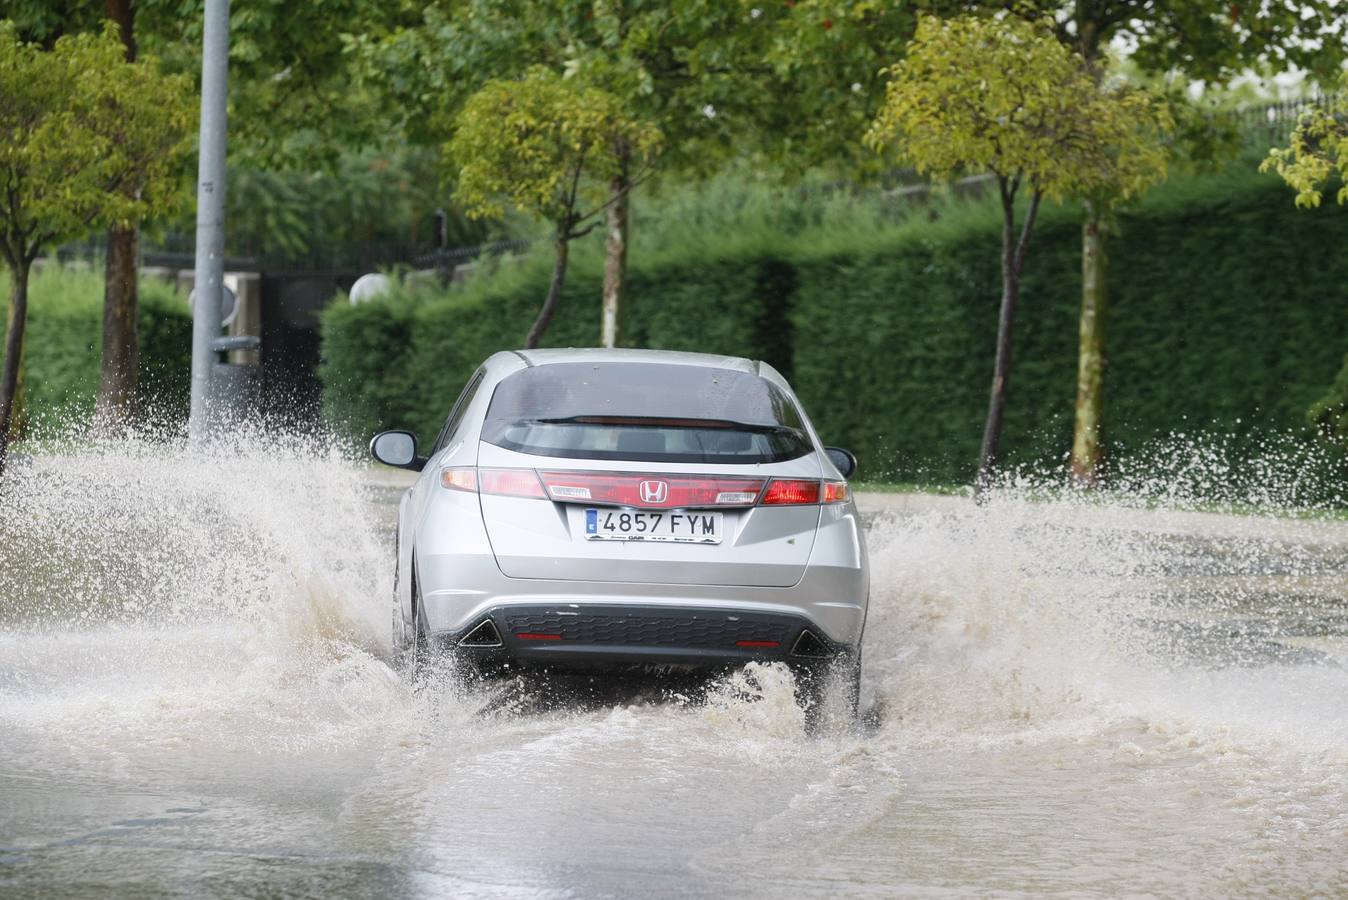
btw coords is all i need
(1051, 676)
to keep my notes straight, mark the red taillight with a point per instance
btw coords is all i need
(538, 636)
(790, 492)
(766, 644)
(508, 482)
(651, 491)
(644, 491)
(836, 492)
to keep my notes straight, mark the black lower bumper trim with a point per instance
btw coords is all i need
(588, 634)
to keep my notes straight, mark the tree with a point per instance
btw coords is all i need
(651, 57)
(1003, 95)
(86, 139)
(1316, 152)
(548, 145)
(119, 372)
(1209, 42)
(821, 47)
(682, 65)
(287, 79)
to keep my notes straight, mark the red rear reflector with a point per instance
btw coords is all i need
(652, 491)
(836, 492)
(757, 644)
(788, 492)
(537, 636)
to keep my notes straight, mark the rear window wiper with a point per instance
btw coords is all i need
(647, 422)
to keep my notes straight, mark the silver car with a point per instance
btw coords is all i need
(629, 508)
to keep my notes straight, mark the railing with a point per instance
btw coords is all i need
(1278, 118)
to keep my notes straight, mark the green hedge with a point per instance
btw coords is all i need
(1229, 314)
(396, 361)
(63, 346)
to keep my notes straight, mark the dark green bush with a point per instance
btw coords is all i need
(63, 345)
(1329, 415)
(1228, 315)
(402, 360)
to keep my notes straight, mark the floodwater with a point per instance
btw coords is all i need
(1064, 698)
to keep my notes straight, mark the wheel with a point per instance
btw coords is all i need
(430, 657)
(852, 683)
(420, 650)
(830, 690)
(399, 634)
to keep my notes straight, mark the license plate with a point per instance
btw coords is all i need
(666, 527)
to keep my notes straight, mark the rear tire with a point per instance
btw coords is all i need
(830, 691)
(430, 657)
(420, 651)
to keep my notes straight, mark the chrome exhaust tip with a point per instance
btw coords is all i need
(809, 645)
(484, 635)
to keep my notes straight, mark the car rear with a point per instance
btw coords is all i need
(649, 509)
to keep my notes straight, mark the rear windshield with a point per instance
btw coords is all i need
(645, 412)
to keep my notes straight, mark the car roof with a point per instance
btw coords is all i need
(659, 357)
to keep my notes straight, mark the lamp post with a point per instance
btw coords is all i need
(210, 255)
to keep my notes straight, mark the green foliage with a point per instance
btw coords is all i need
(1318, 150)
(85, 139)
(369, 208)
(397, 360)
(827, 64)
(1005, 96)
(1220, 323)
(545, 144)
(290, 81)
(61, 360)
(1213, 41)
(1209, 42)
(1329, 414)
(652, 55)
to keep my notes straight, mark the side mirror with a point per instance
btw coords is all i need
(842, 460)
(397, 448)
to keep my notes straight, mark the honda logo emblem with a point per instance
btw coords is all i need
(654, 491)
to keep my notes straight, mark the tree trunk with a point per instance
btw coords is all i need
(9, 376)
(1086, 439)
(1013, 262)
(123, 13)
(118, 374)
(1087, 433)
(118, 381)
(615, 257)
(563, 246)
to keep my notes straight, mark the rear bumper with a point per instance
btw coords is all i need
(640, 635)
(459, 589)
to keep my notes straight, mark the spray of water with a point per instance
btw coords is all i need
(1056, 683)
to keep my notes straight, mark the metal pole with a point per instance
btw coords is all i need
(210, 261)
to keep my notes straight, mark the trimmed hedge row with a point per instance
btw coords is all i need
(63, 346)
(402, 360)
(1229, 314)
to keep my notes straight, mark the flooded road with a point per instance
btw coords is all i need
(196, 697)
